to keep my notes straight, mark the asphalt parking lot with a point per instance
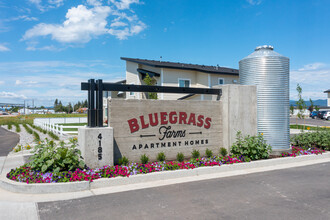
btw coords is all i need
(295, 193)
(310, 121)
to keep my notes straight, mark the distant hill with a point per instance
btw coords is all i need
(319, 102)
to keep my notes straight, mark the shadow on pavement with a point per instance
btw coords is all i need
(8, 141)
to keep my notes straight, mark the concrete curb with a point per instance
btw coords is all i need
(157, 176)
(42, 188)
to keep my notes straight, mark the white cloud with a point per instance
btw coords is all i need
(44, 81)
(46, 5)
(26, 83)
(2, 82)
(124, 4)
(49, 48)
(94, 2)
(3, 48)
(313, 78)
(312, 66)
(254, 2)
(57, 3)
(12, 95)
(118, 24)
(82, 24)
(22, 17)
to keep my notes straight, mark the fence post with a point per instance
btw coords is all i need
(61, 131)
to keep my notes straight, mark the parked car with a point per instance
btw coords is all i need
(326, 115)
(320, 114)
(313, 114)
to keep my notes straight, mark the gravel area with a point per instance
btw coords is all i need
(26, 138)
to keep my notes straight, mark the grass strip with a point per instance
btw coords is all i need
(29, 130)
(18, 128)
(309, 127)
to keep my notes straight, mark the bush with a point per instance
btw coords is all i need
(123, 161)
(319, 139)
(253, 147)
(223, 151)
(144, 159)
(10, 126)
(208, 153)
(180, 157)
(195, 154)
(51, 158)
(161, 156)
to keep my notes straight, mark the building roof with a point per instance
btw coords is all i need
(327, 91)
(184, 66)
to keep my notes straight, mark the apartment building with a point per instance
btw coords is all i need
(176, 74)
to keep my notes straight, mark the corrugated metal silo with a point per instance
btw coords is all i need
(269, 71)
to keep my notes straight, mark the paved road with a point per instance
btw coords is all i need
(309, 121)
(296, 193)
(8, 140)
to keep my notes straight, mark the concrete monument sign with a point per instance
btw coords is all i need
(153, 126)
(138, 127)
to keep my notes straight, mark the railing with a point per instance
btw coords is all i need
(61, 120)
(55, 128)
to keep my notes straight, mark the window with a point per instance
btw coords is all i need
(184, 82)
(131, 93)
(221, 81)
(105, 94)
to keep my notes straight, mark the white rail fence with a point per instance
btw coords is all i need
(52, 124)
(61, 120)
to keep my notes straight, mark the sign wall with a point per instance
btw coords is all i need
(153, 126)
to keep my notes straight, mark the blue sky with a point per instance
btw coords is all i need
(47, 47)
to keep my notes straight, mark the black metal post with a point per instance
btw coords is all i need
(92, 103)
(89, 118)
(99, 103)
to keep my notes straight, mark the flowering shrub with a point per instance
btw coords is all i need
(320, 139)
(51, 158)
(253, 147)
(18, 148)
(28, 175)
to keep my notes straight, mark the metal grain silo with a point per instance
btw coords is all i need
(269, 71)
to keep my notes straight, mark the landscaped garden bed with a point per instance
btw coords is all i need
(55, 163)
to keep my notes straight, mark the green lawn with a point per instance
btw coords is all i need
(74, 124)
(309, 127)
(29, 118)
(70, 129)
